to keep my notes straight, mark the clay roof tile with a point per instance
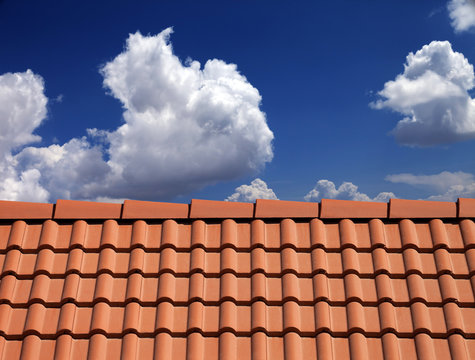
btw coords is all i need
(25, 210)
(212, 280)
(72, 209)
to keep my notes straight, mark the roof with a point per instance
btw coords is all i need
(208, 280)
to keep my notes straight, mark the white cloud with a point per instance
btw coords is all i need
(462, 14)
(449, 185)
(72, 170)
(249, 193)
(186, 126)
(432, 94)
(23, 187)
(22, 109)
(326, 189)
(439, 182)
(454, 192)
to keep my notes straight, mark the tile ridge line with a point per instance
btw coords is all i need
(335, 209)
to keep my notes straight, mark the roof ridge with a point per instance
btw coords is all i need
(262, 208)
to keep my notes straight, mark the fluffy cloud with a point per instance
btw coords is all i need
(186, 126)
(74, 170)
(22, 109)
(23, 187)
(249, 193)
(346, 191)
(432, 94)
(449, 185)
(462, 14)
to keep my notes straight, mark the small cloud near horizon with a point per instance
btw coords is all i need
(346, 191)
(448, 185)
(258, 189)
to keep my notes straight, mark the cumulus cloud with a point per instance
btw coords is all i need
(185, 126)
(258, 189)
(23, 187)
(72, 170)
(22, 109)
(448, 185)
(432, 95)
(346, 191)
(462, 14)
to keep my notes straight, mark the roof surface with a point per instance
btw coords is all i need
(210, 279)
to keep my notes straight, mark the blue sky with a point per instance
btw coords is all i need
(312, 101)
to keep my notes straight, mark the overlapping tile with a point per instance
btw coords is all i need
(253, 286)
(164, 346)
(289, 316)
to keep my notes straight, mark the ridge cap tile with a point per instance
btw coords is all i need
(266, 208)
(220, 209)
(137, 209)
(75, 209)
(340, 209)
(400, 209)
(25, 210)
(466, 207)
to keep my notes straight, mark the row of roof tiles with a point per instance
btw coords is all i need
(228, 346)
(114, 321)
(182, 291)
(200, 209)
(241, 263)
(271, 236)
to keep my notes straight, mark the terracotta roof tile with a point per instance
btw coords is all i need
(285, 209)
(72, 209)
(466, 208)
(202, 209)
(134, 209)
(25, 210)
(399, 209)
(340, 209)
(287, 286)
